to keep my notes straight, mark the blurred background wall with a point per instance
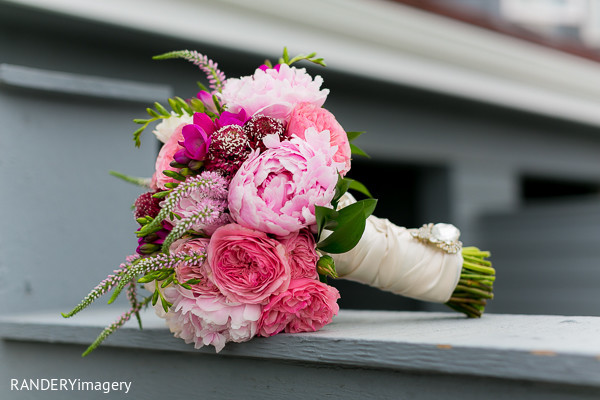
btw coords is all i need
(473, 116)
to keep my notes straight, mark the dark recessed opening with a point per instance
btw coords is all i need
(541, 188)
(395, 187)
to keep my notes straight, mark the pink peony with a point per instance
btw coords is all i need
(185, 271)
(209, 319)
(277, 191)
(307, 115)
(273, 92)
(300, 248)
(246, 265)
(307, 306)
(165, 156)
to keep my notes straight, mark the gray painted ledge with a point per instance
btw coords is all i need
(82, 85)
(552, 349)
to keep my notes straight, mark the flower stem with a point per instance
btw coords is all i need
(475, 285)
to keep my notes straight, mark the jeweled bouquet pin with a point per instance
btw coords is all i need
(248, 214)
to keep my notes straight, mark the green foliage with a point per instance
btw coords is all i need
(347, 226)
(143, 182)
(177, 104)
(285, 58)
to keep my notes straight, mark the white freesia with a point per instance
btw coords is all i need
(164, 130)
(389, 258)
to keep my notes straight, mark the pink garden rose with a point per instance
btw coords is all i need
(273, 92)
(307, 115)
(246, 265)
(165, 156)
(300, 248)
(209, 319)
(185, 271)
(307, 306)
(276, 191)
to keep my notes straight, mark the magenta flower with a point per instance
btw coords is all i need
(196, 139)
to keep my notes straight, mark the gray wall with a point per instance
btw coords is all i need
(435, 158)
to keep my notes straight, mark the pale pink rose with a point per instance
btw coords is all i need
(307, 115)
(209, 319)
(273, 92)
(246, 265)
(165, 156)
(186, 271)
(307, 306)
(276, 191)
(302, 255)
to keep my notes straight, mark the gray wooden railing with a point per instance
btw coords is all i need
(361, 355)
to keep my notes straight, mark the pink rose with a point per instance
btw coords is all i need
(273, 92)
(185, 271)
(209, 319)
(307, 306)
(165, 156)
(246, 265)
(302, 256)
(277, 191)
(307, 115)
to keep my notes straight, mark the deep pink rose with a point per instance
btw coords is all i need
(246, 265)
(276, 191)
(302, 256)
(165, 156)
(307, 306)
(307, 115)
(185, 271)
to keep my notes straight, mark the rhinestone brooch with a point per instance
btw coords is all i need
(444, 236)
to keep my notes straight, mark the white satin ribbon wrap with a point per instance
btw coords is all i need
(389, 258)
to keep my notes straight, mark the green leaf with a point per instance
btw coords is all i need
(174, 175)
(140, 121)
(144, 182)
(323, 216)
(354, 149)
(351, 222)
(286, 56)
(345, 237)
(353, 135)
(359, 187)
(201, 86)
(340, 188)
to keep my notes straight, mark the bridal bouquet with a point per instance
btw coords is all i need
(247, 215)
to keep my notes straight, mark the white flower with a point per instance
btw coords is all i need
(167, 126)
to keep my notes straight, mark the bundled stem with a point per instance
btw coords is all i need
(476, 282)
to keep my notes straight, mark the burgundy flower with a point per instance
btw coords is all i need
(260, 126)
(146, 205)
(229, 148)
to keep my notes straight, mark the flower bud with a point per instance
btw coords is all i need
(326, 266)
